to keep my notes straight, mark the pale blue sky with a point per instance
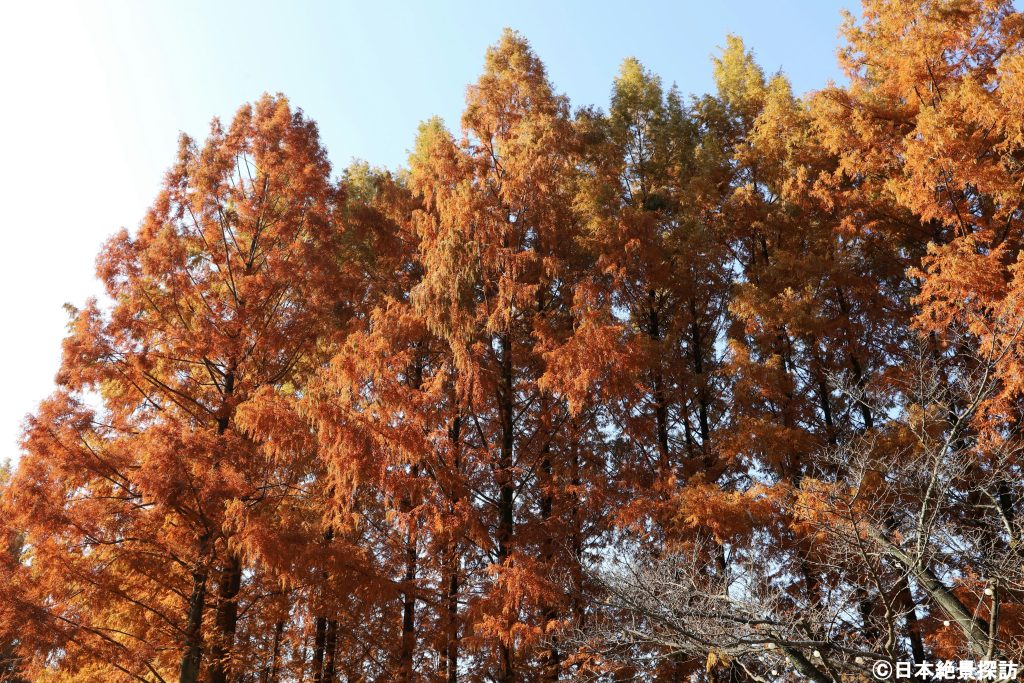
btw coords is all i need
(95, 94)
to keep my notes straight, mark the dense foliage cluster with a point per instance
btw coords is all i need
(727, 387)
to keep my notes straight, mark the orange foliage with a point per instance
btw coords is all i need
(394, 427)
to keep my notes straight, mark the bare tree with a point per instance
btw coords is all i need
(911, 532)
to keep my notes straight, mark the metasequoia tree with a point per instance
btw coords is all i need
(820, 303)
(499, 248)
(650, 197)
(898, 504)
(388, 434)
(136, 472)
(933, 114)
(726, 387)
(648, 216)
(829, 239)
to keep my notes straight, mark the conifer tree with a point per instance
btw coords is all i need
(132, 500)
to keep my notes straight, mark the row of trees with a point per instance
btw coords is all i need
(725, 387)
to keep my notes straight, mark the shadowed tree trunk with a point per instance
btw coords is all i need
(269, 674)
(506, 494)
(227, 620)
(450, 650)
(408, 644)
(331, 646)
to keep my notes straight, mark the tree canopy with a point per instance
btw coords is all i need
(721, 387)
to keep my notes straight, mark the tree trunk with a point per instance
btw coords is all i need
(331, 646)
(270, 671)
(974, 628)
(826, 409)
(227, 620)
(909, 607)
(408, 609)
(550, 658)
(660, 402)
(192, 658)
(450, 651)
(697, 352)
(451, 648)
(506, 494)
(319, 641)
(226, 616)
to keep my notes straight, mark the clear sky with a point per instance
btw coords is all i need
(95, 94)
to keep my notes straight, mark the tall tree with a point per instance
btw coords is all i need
(499, 248)
(135, 472)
